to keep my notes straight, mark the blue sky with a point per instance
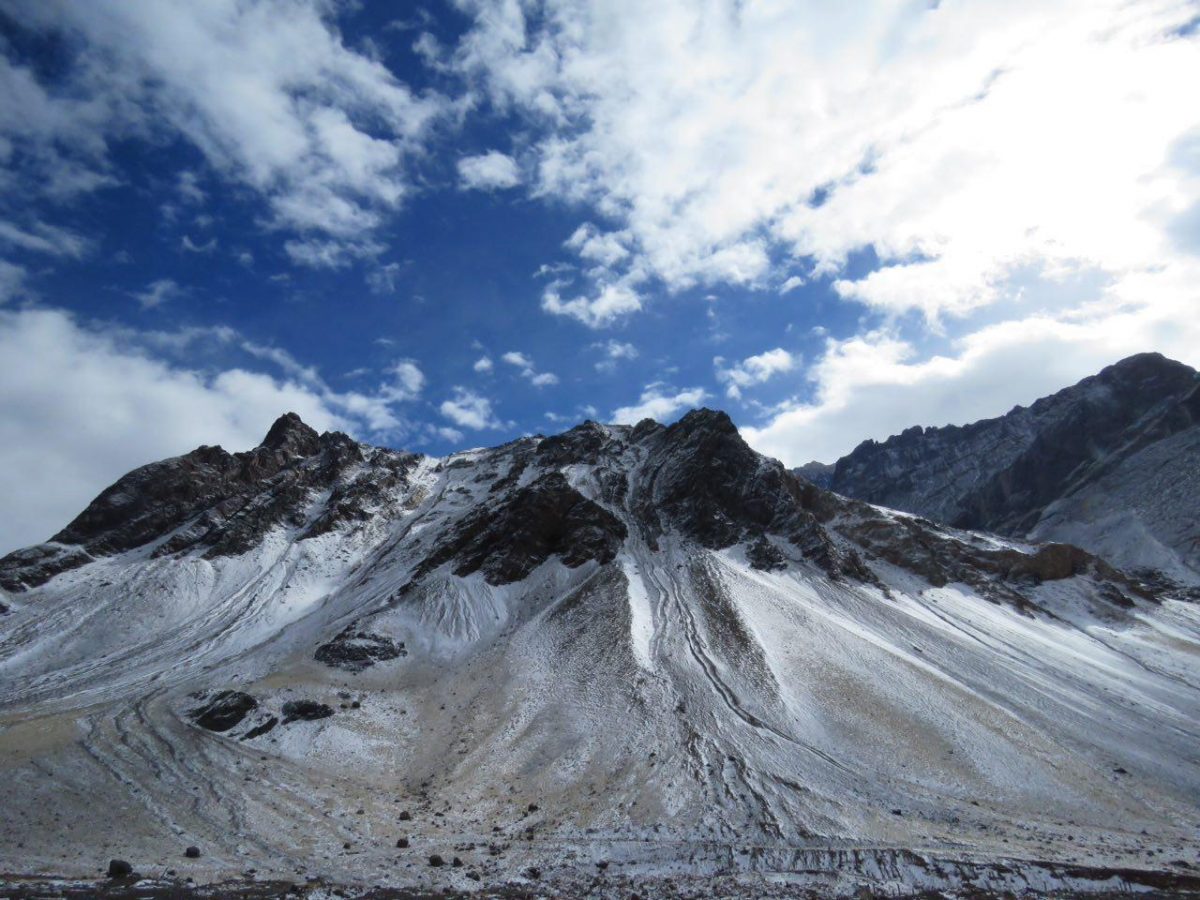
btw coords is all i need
(488, 218)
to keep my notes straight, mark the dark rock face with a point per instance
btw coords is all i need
(305, 711)
(706, 482)
(1001, 474)
(819, 473)
(223, 710)
(547, 518)
(260, 730)
(1001, 574)
(35, 566)
(219, 503)
(764, 555)
(354, 650)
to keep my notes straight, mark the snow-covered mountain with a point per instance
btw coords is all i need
(1111, 464)
(616, 653)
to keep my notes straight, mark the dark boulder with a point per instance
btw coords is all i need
(354, 650)
(436, 860)
(260, 730)
(119, 868)
(223, 710)
(305, 710)
(192, 852)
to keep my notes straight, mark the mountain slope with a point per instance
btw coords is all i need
(645, 646)
(1111, 464)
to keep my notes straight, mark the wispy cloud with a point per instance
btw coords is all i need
(44, 238)
(614, 352)
(158, 292)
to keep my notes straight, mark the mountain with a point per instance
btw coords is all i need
(1111, 464)
(624, 656)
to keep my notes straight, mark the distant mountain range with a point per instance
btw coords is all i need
(1111, 464)
(620, 659)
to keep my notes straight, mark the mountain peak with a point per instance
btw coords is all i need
(1147, 365)
(289, 433)
(703, 417)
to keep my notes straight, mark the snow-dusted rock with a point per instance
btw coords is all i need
(647, 646)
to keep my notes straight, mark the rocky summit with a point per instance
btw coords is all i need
(613, 660)
(1111, 464)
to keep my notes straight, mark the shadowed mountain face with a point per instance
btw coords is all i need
(1111, 464)
(642, 645)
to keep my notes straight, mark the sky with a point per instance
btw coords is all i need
(441, 225)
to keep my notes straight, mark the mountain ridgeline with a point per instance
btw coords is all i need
(620, 652)
(1111, 464)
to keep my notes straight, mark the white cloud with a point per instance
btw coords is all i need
(791, 283)
(468, 409)
(268, 91)
(489, 171)
(658, 402)
(382, 279)
(483, 364)
(331, 254)
(12, 280)
(158, 292)
(74, 403)
(409, 380)
(192, 247)
(447, 433)
(753, 370)
(610, 302)
(877, 384)
(606, 249)
(960, 142)
(528, 370)
(44, 238)
(188, 186)
(518, 359)
(614, 352)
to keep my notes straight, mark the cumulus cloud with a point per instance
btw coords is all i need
(483, 364)
(527, 369)
(489, 171)
(609, 302)
(958, 141)
(659, 402)
(268, 91)
(468, 409)
(753, 370)
(876, 384)
(77, 399)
